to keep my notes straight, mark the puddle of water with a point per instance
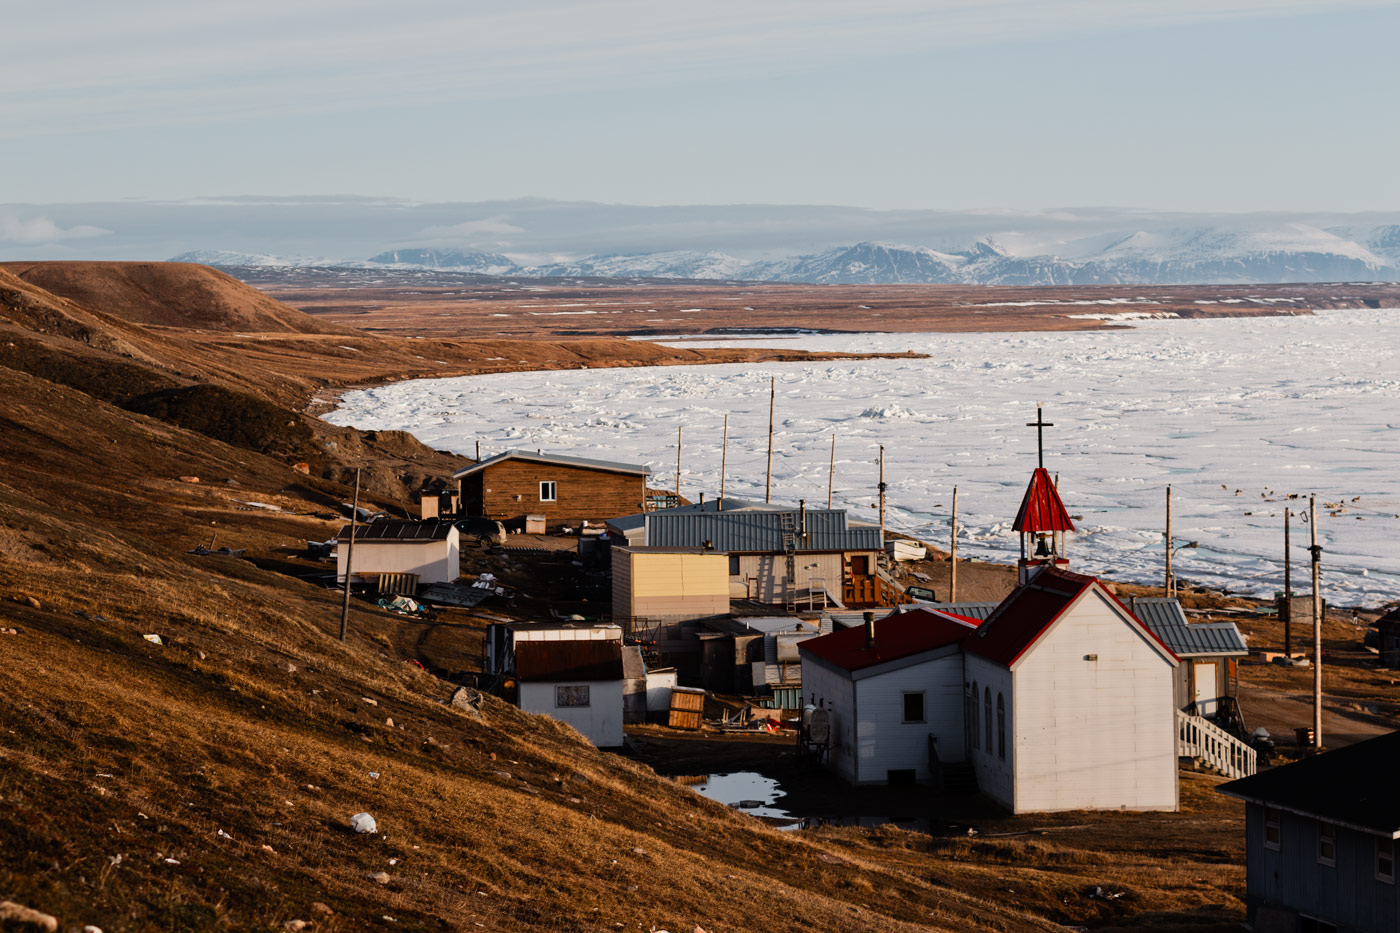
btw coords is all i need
(744, 790)
(756, 794)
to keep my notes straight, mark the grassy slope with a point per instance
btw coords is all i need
(117, 754)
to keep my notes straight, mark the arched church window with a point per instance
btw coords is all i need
(987, 710)
(1001, 727)
(976, 719)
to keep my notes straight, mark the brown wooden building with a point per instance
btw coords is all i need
(514, 485)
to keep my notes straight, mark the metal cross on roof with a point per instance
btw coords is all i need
(1040, 424)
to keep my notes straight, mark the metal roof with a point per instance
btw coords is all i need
(1187, 639)
(403, 532)
(1041, 509)
(609, 466)
(629, 523)
(970, 610)
(758, 531)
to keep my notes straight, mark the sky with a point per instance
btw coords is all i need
(1191, 105)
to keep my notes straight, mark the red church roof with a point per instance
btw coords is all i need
(1020, 619)
(1041, 509)
(898, 635)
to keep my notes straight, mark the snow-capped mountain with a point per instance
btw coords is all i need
(454, 259)
(1281, 252)
(672, 264)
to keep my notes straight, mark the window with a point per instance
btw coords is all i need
(987, 713)
(734, 565)
(914, 707)
(1272, 836)
(571, 696)
(1001, 727)
(1326, 844)
(1385, 860)
(976, 719)
(549, 491)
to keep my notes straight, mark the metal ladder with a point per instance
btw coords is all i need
(788, 527)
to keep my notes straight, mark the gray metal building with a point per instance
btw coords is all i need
(1320, 841)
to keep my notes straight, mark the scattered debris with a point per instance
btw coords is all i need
(153, 639)
(295, 926)
(467, 700)
(287, 667)
(370, 701)
(9, 631)
(189, 479)
(223, 835)
(380, 876)
(33, 603)
(363, 823)
(322, 910)
(403, 605)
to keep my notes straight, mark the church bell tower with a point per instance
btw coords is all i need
(1042, 521)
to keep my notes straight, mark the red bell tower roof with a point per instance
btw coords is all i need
(1041, 509)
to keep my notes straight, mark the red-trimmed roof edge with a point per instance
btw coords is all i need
(1090, 583)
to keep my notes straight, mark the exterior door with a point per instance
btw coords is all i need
(1206, 694)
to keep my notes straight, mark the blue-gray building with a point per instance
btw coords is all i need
(1320, 840)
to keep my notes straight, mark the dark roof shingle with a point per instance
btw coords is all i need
(1349, 786)
(398, 531)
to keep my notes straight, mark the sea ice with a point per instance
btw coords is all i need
(1235, 413)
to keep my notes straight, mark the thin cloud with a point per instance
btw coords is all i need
(166, 62)
(40, 229)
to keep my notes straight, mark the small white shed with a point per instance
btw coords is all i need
(576, 680)
(428, 549)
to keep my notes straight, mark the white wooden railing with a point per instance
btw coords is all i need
(1203, 740)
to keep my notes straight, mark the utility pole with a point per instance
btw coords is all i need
(1317, 624)
(953, 553)
(1167, 582)
(772, 398)
(350, 557)
(882, 495)
(831, 473)
(1287, 589)
(678, 464)
(723, 461)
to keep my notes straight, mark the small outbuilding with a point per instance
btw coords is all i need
(427, 550)
(558, 490)
(575, 675)
(1320, 840)
(1209, 653)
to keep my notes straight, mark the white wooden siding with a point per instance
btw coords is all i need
(885, 742)
(825, 685)
(994, 776)
(433, 561)
(1093, 734)
(600, 722)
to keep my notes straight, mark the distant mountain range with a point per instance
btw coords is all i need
(1287, 252)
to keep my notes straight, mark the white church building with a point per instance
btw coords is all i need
(1060, 700)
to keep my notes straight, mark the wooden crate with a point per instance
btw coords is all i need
(687, 707)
